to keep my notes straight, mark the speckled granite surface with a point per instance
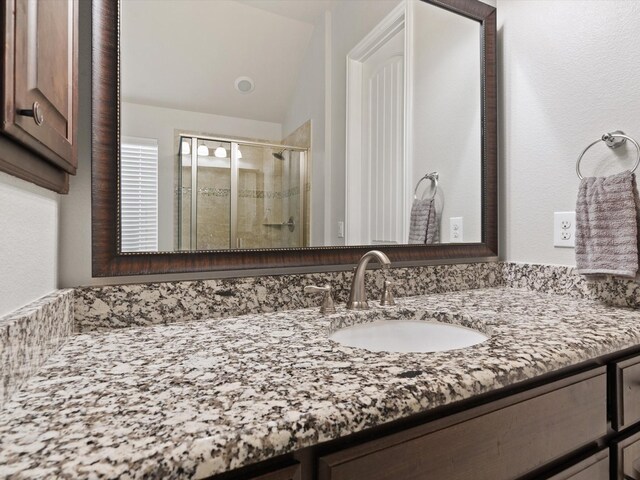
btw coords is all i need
(563, 280)
(99, 308)
(29, 335)
(193, 399)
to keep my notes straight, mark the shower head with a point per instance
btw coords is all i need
(279, 155)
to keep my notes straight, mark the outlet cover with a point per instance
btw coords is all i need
(564, 229)
(456, 230)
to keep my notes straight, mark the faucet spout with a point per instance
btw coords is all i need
(358, 294)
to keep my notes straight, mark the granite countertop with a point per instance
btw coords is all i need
(199, 398)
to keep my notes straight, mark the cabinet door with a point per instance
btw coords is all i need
(288, 473)
(40, 96)
(503, 440)
(596, 467)
(627, 382)
(629, 458)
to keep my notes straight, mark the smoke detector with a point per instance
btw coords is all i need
(245, 85)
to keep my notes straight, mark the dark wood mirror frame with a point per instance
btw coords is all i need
(107, 260)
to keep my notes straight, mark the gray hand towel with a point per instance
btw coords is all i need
(424, 224)
(607, 219)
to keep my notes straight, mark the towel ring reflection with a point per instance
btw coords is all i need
(613, 140)
(433, 176)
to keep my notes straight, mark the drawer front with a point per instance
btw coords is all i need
(596, 467)
(502, 440)
(288, 473)
(629, 458)
(628, 392)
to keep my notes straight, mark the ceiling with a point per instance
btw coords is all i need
(186, 54)
(306, 11)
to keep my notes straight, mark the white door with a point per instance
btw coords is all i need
(375, 137)
(383, 143)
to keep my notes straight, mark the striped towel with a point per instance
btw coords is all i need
(607, 219)
(424, 225)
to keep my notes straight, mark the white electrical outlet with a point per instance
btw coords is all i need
(340, 229)
(564, 229)
(456, 230)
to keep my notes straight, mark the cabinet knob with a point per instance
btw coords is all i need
(35, 112)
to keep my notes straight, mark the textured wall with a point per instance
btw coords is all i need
(569, 72)
(28, 242)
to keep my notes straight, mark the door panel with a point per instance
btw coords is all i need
(42, 72)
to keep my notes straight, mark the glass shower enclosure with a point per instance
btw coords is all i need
(234, 194)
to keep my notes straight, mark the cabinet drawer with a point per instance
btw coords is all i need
(288, 473)
(628, 452)
(596, 467)
(627, 404)
(501, 440)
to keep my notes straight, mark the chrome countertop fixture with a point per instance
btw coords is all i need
(328, 305)
(358, 294)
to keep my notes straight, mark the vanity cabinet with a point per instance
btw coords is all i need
(628, 453)
(596, 467)
(627, 386)
(40, 91)
(501, 440)
(288, 473)
(579, 424)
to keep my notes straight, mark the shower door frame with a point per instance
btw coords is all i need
(234, 243)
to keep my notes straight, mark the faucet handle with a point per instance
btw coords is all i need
(328, 306)
(387, 293)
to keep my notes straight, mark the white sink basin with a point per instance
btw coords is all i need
(407, 336)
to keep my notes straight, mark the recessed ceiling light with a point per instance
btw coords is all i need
(245, 85)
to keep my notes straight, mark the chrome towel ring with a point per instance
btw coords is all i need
(433, 176)
(613, 140)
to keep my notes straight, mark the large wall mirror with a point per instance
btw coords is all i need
(233, 134)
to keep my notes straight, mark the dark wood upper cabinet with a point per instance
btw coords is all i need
(40, 91)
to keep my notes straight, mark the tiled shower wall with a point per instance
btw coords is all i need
(269, 193)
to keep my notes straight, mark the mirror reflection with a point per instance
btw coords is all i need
(253, 124)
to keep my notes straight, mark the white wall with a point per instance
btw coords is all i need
(570, 72)
(28, 242)
(162, 39)
(74, 265)
(447, 131)
(162, 123)
(308, 103)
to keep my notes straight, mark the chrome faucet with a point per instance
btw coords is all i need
(358, 295)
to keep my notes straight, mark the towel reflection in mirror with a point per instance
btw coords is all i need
(424, 224)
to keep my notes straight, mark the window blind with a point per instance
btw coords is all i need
(138, 194)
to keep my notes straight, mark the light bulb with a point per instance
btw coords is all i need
(186, 148)
(220, 152)
(203, 151)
